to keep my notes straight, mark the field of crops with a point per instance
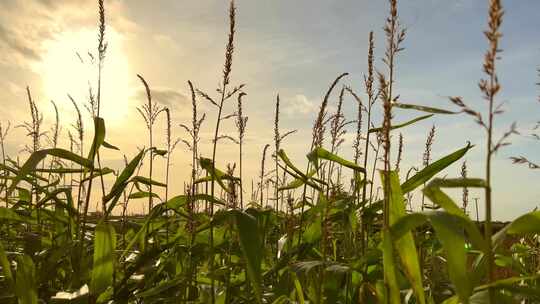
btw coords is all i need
(335, 231)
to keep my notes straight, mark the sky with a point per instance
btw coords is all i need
(294, 49)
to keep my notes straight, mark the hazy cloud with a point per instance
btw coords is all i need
(168, 97)
(14, 43)
(299, 104)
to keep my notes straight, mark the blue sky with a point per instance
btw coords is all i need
(296, 49)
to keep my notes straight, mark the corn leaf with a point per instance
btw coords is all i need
(431, 170)
(250, 243)
(25, 281)
(103, 266)
(99, 137)
(453, 240)
(398, 126)
(422, 108)
(35, 158)
(321, 153)
(405, 246)
(6, 267)
(390, 270)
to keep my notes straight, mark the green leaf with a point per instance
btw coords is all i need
(320, 153)
(6, 267)
(525, 224)
(99, 137)
(7, 214)
(428, 172)
(390, 270)
(436, 195)
(156, 211)
(25, 281)
(35, 158)
(298, 174)
(109, 146)
(215, 173)
(422, 108)
(147, 181)
(128, 170)
(121, 181)
(142, 194)
(393, 127)
(103, 266)
(97, 173)
(250, 243)
(299, 290)
(450, 233)
(159, 152)
(405, 246)
(160, 288)
(180, 200)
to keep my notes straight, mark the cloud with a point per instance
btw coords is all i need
(299, 105)
(11, 40)
(165, 96)
(26, 24)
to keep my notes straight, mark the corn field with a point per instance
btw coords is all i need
(334, 231)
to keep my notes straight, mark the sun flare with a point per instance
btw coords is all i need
(69, 66)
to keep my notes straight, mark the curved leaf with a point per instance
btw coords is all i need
(422, 108)
(393, 127)
(35, 158)
(428, 172)
(99, 137)
(321, 153)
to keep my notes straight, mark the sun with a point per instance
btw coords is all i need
(68, 68)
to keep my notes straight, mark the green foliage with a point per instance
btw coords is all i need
(103, 265)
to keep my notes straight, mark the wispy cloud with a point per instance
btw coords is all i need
(299, 105)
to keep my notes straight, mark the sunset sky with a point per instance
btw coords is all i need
(294, 48)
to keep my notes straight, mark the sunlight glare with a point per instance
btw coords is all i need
(65, 73)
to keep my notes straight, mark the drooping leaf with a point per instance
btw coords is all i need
(109, 146)
(526, 224)
(97, 173)
(436, 195)
(36, 157)
(297, 174)
(147, 181)
(321, 153)
(180, 200)
(99, 137)
(398, 126)
(422, 108)
(215, 173)
(453, 240)
(142, 194)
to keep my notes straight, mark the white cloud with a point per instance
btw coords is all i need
(299, 104)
